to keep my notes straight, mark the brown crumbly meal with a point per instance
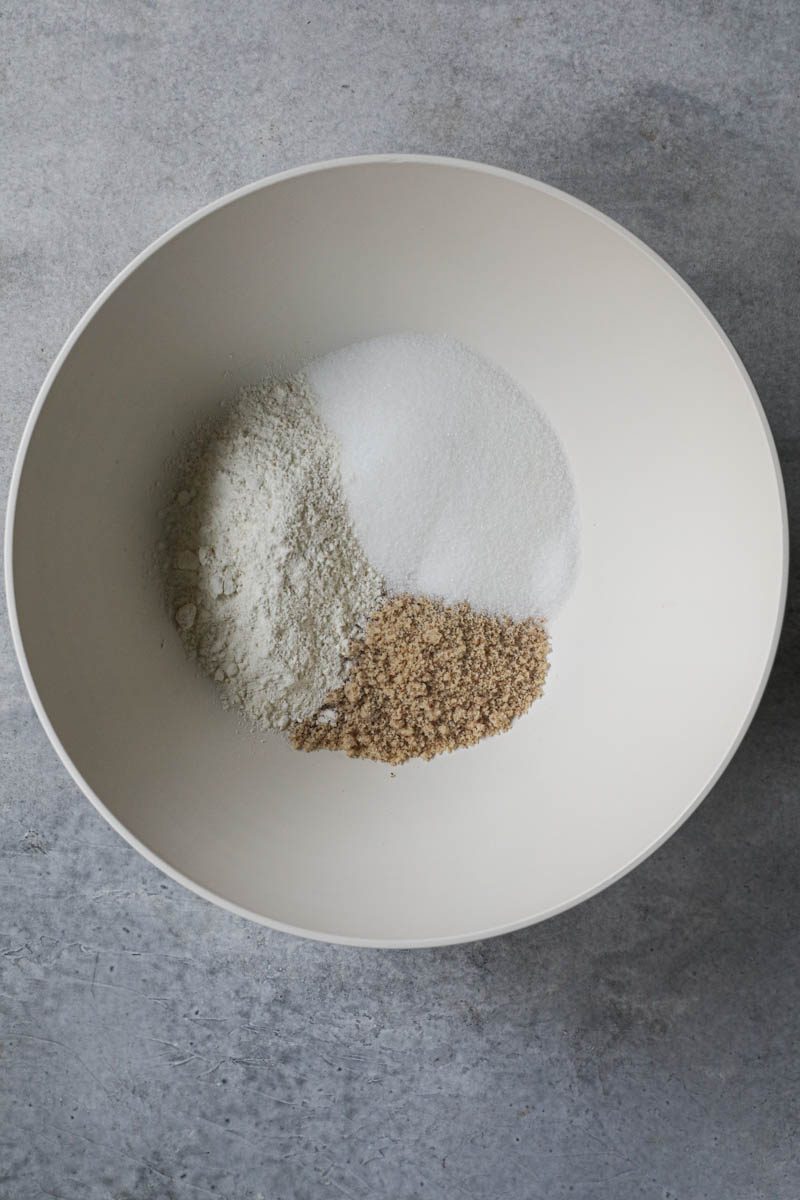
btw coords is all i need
(428, 678)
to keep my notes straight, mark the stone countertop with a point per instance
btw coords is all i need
(642, 1045)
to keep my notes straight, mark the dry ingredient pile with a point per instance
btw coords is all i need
(457, 483)
(427, 678)
(264, 575)
(364, 555)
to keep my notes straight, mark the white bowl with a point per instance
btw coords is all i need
(659, 658)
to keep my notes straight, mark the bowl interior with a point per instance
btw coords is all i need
(657, 658)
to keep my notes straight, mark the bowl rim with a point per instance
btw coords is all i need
(396, 159)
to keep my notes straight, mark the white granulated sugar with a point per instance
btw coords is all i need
(457, 484)
(265, 578)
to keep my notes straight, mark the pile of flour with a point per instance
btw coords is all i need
(265, 577)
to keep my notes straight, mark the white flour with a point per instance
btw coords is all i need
(265, 578)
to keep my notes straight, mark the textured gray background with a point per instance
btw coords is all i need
(643, 1045)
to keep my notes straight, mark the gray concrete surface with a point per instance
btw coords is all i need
(643, 1045)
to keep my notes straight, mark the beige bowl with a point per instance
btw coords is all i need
(659, 658)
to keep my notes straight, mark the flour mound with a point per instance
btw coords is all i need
(265, 578)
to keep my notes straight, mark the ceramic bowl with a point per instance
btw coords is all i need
(659, 658)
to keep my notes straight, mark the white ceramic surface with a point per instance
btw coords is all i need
(659, 658)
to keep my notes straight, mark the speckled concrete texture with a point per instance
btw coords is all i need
(646, 1044)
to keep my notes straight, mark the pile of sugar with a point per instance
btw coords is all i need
(428, 678)
(457, 484)
(265, 578)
